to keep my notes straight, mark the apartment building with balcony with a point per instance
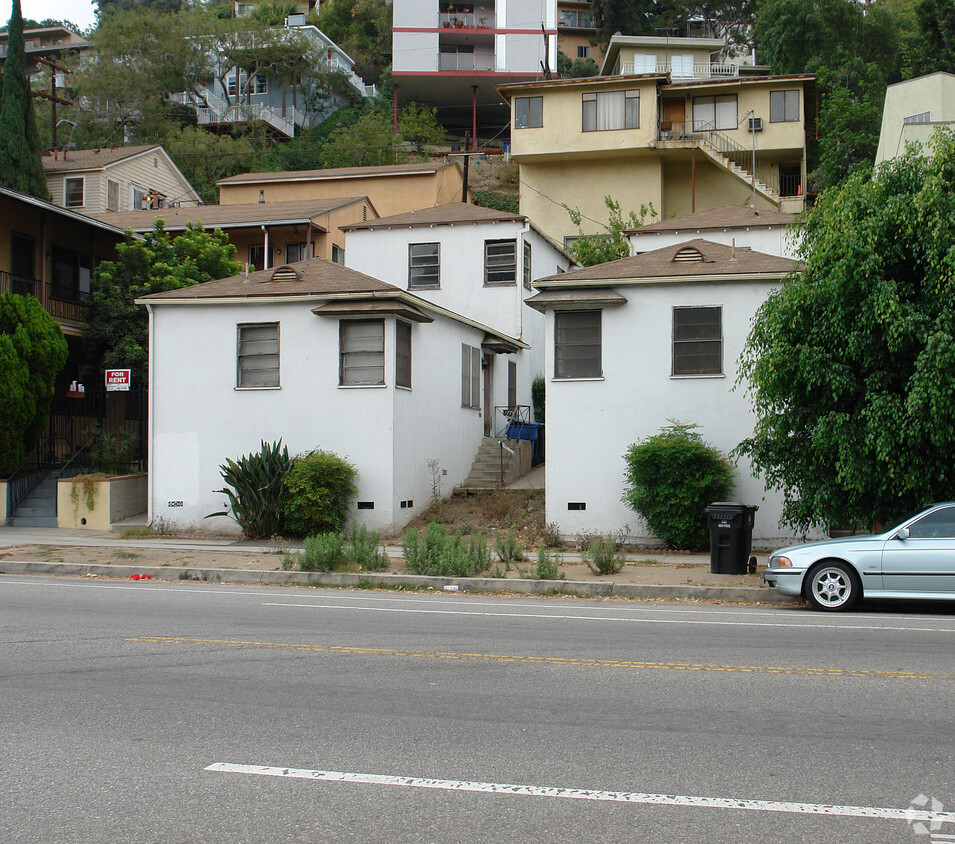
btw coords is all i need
(47, 42)
(689, 134)
(451, 55)
(576, 27)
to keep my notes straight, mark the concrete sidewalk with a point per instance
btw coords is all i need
(12, 538)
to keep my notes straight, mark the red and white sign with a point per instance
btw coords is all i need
(117, 379)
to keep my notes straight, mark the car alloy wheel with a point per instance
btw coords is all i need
(833, 586)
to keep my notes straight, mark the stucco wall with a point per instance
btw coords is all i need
(772, 240)
(590, 423)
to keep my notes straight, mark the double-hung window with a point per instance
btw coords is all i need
(424, 265)
(715, 113)
(500, 262)
(528, 271)
(610, 110)
(783, 106)
(362, 353)
(470, 376)
(402, 354)
(577, 344)
(258, 355)
(528, 112)
(73, 192)
(698, 341)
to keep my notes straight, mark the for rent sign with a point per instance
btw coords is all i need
(117, 379)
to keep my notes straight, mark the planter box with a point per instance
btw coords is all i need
(113, 499)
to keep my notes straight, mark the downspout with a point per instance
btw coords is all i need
(265, 260)
(150, 412)
(520, 281)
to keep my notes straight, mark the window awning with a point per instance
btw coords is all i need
(575, 299)
(499, 345)
(372, 307)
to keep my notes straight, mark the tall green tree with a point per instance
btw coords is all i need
(117, 329)
(32, 353)
(362, 28)
(21, 167)
(851, 364)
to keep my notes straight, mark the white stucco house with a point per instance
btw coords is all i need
(913, 110)
(320, 356)
(473, 261)
(763, 230)
(634, 343)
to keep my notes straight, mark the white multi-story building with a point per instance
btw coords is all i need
(451, 54)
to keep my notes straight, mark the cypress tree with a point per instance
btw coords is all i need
(21, 167)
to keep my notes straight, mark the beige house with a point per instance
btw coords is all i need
(265, 234)
(120, 179)
(681, 133)
(913, 110)
(392, 189)
(576, 25)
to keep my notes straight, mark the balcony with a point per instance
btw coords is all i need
(570, 19)
(62, 303)
(682, 70)
(467, 20)
(466, 61)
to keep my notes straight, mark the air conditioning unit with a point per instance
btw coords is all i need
(756, 124)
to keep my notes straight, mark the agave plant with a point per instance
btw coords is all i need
(255, 486)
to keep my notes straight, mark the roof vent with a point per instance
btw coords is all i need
(285, 273)
(688, 255)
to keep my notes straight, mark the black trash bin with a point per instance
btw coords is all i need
(731, 536)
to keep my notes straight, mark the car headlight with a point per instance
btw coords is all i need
(780, 563)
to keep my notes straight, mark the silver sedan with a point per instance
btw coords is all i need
(915, 559)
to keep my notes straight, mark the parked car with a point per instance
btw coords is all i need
(915, 559)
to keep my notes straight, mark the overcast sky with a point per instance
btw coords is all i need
(80, 12)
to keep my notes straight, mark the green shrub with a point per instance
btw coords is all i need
(602, 554)
(364, 549)
(323, 552)
(436, 554)
(319, 488)
(548, 568)
(508, 548)
(110, 451)
(255, 489)
(538, 394)
(671, 477)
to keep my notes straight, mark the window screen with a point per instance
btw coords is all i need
(577, 344)
(402, 354)
(258, 355)
(698, 341)
(362, 352)
(500, 261)
(424, 264)
(783, 106)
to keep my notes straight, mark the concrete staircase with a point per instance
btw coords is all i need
(486, 469)
(38, 509)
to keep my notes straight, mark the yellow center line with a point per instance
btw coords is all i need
(547, 660)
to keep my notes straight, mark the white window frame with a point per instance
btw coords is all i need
(714, 112)
(500, 262)
(691, 341)
(361, 353)
(572, 342)
(257, 354)
(470, 376)
(134, 204)
(424, 265)
(66, 191)
(338, 254)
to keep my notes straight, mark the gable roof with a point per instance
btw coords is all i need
(243, 215)
(415, 169)
(722, 217)
(62, 212)
(93, 159)
(440, 215)
(661, 265)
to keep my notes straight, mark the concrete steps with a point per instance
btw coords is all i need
(38, 509)
(486, 469)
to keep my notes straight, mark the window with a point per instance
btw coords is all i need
(921, 117)
(402, 354)
(295, 252)
(362, 358)
(424, 265)
(112, 195)
(583, 52)
(577, 344)
(258, 355)
(73, 193)
(645, 63)
(611, 110)
(257, 256)
(783, 106)
(500, 262)
(511, 384)
(714, 113)
(338, 254)
(260, 85)
(681, 66)
(527, 265)
(137, 197)
(528, 112)
(470, 376)
(698, 341)
(937, 525)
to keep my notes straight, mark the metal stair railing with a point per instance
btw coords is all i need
(725, 146)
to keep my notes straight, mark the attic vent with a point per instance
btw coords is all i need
(285, 273)
(689, 255)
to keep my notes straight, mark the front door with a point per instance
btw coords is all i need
(487, 363)
(674, 116)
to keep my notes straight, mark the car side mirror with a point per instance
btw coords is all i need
(902, 533)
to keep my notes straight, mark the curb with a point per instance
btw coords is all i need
(573, 588)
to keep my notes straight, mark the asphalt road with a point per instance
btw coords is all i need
(156, 712)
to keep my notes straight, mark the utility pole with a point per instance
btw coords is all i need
(467, 162)
(52, 97)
